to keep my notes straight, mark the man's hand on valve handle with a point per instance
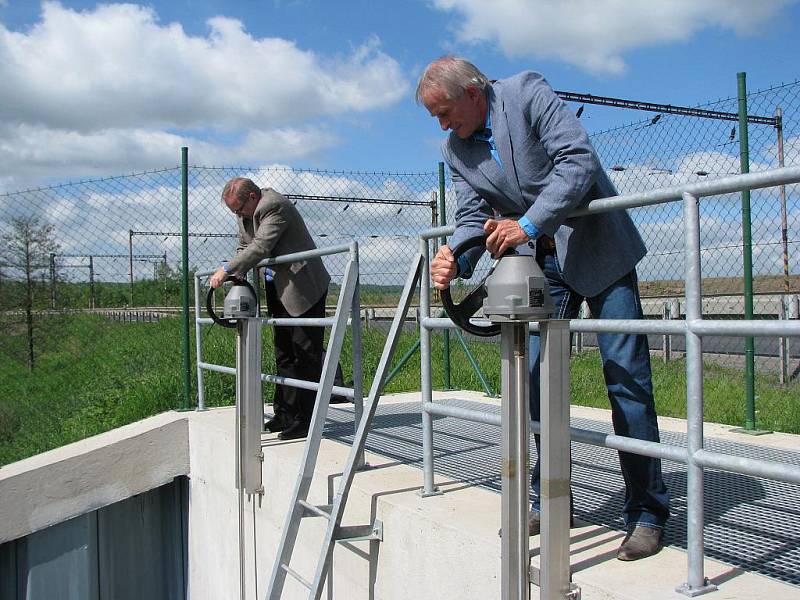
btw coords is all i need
(443, 268)
(502, 235)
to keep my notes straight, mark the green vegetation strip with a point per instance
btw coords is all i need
(93, 375)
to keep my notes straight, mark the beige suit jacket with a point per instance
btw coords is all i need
(276, 228)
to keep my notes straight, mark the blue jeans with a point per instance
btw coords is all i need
(626, 369)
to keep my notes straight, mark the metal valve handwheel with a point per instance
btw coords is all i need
(460, 313)
(230, 323)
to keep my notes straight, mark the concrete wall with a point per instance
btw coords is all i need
(439, 547)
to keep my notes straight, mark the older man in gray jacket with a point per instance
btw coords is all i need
(270, 225)
(521, 164)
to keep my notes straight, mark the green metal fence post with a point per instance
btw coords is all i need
(443, 222)
(747, 252)
(187, 377)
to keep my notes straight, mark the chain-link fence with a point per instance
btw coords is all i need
(115, 243)
(665, 150)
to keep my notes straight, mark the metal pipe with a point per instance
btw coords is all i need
(515, 553)
(749, 466)
(784, 226)
(442, 223)
(198, 344)
(426, 388)
(555, 459)
(694, 400)
(717, 187)
(355, 336)
(747, 257)
(187, 379)
(130, 267)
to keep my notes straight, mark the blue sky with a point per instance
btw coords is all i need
(100, 89)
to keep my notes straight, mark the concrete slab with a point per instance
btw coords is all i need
(438, 547)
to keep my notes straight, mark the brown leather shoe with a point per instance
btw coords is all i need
(640, 542)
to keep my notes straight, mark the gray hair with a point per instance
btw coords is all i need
(240, 187)
(452, 75)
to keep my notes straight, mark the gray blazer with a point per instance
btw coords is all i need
(549, 169)
(275, 229)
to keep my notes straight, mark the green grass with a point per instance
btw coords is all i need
(93, 375)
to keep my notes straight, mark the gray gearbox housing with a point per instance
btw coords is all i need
(516, 290)
(240, 303)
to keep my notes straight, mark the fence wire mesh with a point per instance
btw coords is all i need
(665, 150)
(113, 245)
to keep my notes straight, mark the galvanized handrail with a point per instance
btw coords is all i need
(354, 321)
(694, 328)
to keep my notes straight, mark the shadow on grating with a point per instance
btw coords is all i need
(751, 523)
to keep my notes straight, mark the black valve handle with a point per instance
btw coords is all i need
(460, 313)
(229, 323)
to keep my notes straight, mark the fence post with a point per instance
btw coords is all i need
(794, 314)
(782, 315)
(91, 283)
(579, 334)
(52, 280)
(747, 252)
(187, 376)
(666, 344)
(130, 267)
(784, 226)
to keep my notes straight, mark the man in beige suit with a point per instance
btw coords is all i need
(270, 225)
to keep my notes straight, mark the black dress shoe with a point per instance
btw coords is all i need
(294, 431)
(275, 424)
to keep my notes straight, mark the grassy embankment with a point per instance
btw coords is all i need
(93, 375)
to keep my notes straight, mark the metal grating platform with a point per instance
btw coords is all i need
(751, 523)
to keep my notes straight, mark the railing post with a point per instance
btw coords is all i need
(429, 488)
(355, 331)
(442, 223)
(696, 583)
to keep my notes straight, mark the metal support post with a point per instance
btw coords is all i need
(666, 340)
(187, 377)
(555, 462)
(130, 268)
(697, 583)
(515, 552)
(784, 220)
(442, 223)
(249, 406)
(355, 334)
(747, 255)
(52, 280)
(782, 342)
(426, 388)
(91, 282)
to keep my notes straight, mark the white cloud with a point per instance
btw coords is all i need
(594, 34)
(112, 88)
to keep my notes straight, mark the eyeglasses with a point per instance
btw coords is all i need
(238, 210)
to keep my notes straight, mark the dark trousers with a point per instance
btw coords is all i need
(298, 355)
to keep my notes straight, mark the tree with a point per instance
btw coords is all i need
(26, 249)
